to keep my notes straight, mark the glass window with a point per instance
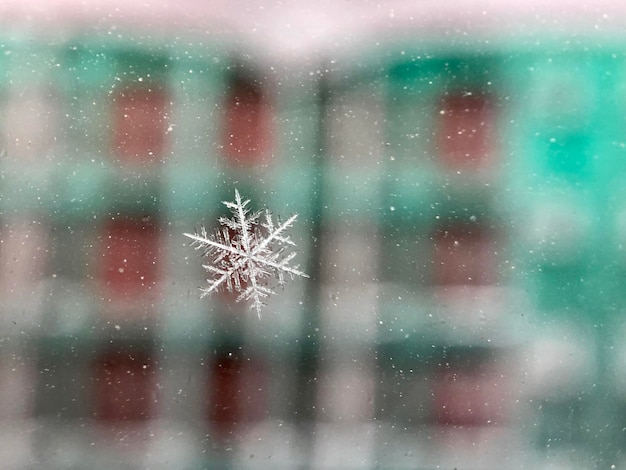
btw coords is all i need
(247, 132)
(465, 130)
(140, 124)
(24, 256)
(464, 255)
(31, 132)
(470, 393)
(125, 385)
(129, 268)
(238, 392)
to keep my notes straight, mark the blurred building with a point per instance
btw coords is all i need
(458, 174)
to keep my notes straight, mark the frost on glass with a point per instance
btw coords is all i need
(245, 252)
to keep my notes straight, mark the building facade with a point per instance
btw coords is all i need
(460, 215)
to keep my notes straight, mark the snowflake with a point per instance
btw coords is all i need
(245, 252)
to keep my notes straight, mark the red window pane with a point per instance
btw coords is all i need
(464, 255)
(140, 125)
(130, 258)
(247, 128)
(237, 391)
(474, 395)
(465, 136)
(124, 386)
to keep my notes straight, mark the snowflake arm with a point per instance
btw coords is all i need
(275, 233)
(207, 243)
(282, 267)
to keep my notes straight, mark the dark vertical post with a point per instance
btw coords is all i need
(308, 360)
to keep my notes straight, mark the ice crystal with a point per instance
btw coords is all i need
(244, 252)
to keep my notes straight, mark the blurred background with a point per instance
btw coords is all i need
(459, 171)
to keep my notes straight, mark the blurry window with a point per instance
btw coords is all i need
(464, 255)
(140, 125)
(470, 394)
(247, 128)
(238, 391)
(124, 385)
(29, 123)
(465, 130)
(130, 254)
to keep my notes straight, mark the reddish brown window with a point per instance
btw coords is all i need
(464, 255)
(470, 395)
(124, 386)
(140, 125)
(465, 135)
(247, 127)
(130, 257)
(237, 391)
